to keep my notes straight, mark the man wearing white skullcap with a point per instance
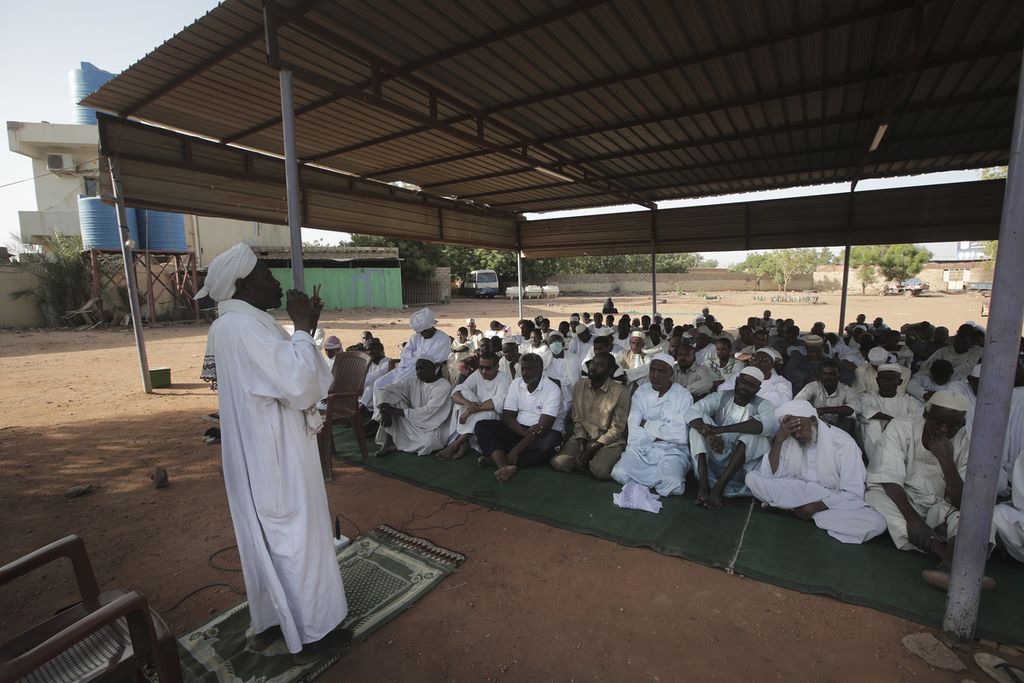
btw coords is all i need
(657, 451)
(704, 350)
(582, 341)
(864, 380)
(731, 431)
(878, 408)
(268, 385)
(775, 388)
(816, 471)
(916, 482)
(634, 360)
(426, 342)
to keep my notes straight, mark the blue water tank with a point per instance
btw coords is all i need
(82, 82)
(162, 231)
(99, 224)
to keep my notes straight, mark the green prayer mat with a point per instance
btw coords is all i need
(384, 571)
(770, 546)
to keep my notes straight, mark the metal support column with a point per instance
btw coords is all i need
(999, 364)
(519, 279)
(291, 176)
(129, 272)
(654, 262)
(846, 284)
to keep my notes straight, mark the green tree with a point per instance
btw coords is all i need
(991, 250)
(784, 264)
(902, 261)
(864, 260)
(62, 276)
(994, 173)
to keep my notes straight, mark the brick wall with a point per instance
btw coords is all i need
(696, 280)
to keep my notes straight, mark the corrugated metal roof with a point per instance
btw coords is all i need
(628, 101)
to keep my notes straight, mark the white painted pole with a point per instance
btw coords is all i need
(127, 246)
(291, 175)
(519, 280)
(999, 365)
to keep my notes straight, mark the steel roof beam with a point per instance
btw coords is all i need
(454, 51)
(216, 58)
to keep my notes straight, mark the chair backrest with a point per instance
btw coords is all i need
(350, 368)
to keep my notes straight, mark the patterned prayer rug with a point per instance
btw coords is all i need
(384, 571)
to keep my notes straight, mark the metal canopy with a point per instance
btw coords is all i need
(529, 105)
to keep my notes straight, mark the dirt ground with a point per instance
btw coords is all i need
(532, 602)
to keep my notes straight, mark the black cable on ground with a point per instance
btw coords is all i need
(416, 516)
(209, 561)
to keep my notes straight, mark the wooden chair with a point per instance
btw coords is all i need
(350, 368)
(107, 636)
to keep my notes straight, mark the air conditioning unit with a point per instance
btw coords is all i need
(60, 163)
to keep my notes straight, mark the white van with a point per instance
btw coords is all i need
(481, 283)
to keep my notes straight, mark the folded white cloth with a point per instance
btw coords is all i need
(635, 496)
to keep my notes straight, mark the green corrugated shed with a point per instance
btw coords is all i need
(351, 287)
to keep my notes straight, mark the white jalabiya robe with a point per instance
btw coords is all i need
(922, 383)
(904, 460)
(1014, 439)
(871, 431)
(423, 428)
(373, 373)
(435, 349)
(275, 487)
(635, 365)
(776, 389)
(706, 354)
(720, 409)
(478, 390)
(543, 351)
(657, 454)
(829, 470)
(459, 351)
(732, 367)
(817, 395)
(963, 363)
(1009, 517)
(865, 379)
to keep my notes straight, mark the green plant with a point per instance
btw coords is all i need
(62, 276)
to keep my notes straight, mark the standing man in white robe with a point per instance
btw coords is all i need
(732, 430)
(917, 480)
(817, 472)
(426, 342)
(268, 384)
(877, 409)
(480, 397)
(657, 451)
(413, 413)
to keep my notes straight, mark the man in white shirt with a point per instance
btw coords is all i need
(836, 403)
(480, 397)
(657, 451)
(413, 413)
(938, 377)
(916, 481)
(878, 408)
(582, 342)
(731, 431)
(634, 361)
(705, 349)
(379, 366)
(531, 425)
(961, 352)
(817, 472)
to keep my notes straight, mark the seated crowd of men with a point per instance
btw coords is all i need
(862, 433)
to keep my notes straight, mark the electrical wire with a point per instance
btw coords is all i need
(209, 561)
(404, 527)
(41, 175)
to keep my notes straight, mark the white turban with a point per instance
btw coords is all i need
(948, 399)
(664, 358)
(332, 342)
(751, 371)
(878, 355)
(890, 367)
(421, 320)
(770, 351)
(226, 269)
(795, 408)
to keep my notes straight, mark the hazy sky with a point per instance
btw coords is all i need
(41, 41)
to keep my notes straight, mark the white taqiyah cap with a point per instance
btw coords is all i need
(948, 399)
(770, 351)
(637, 334)
(890, 367)
(664, 358)
(795, 408)
(751, 371)
(704, 329)
(580, 329)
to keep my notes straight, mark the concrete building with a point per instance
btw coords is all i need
(65, 166)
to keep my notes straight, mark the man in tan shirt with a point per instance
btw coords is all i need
(600, 412)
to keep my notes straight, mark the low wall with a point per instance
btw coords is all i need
(21, 312)
(696, 280)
